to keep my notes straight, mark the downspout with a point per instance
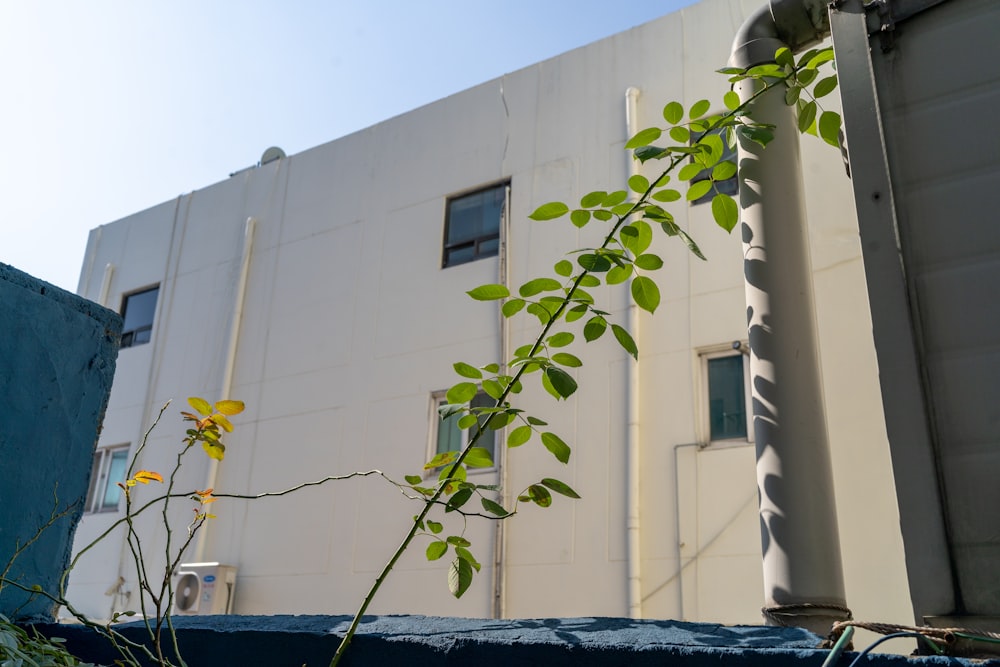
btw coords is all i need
(803, 574)
(227, 375)
(632, 470)
(500, 531)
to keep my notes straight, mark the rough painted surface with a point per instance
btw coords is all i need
(57, 360)
(280, 641)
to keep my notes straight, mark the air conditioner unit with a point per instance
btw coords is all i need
(204, 588)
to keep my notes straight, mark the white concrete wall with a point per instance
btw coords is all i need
(350, 324)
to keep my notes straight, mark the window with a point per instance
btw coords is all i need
(450, 438)
(727, 383)
(110, 465)
(472, 225)
(138, 309)
(727, 186)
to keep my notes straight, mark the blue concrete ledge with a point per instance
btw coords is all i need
(293, 641)
(57, 360)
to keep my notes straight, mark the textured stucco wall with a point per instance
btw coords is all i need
(57, 360)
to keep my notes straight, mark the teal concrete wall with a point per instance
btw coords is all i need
(57, 360)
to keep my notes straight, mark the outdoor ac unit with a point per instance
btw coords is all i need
(204, 588)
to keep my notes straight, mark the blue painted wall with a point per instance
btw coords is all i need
(57, 360)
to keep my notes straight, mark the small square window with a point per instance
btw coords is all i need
(138, 310)
(716, 141)
(472, 225)
(448, 437)
(110, 466)
(728, 395)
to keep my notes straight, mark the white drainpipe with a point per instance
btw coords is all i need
(803, 575)
(632, 470)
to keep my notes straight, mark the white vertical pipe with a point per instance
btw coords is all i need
(227, 374)
(632, 451)
(109, 272)
(803, 575)
(500, 534)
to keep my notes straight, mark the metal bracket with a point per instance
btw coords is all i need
(882, 21)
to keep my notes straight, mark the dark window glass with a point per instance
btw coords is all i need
(110, 466)
(729, 186)
(137, 312)
(727, 398)
(450, 438)
(472, 225)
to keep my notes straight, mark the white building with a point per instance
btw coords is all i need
(338, 326)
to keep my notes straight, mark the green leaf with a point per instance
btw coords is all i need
(614, 198)
(698, 190)
(731, 100)
(561, 339)
(825, 86)
(645, 293)
(449, 410)
(724, 170)
(649, 262)
(563, 268)
(458, 541)
(625, 340)
(784, 57)
(759, 135)
(479, 457)
(560, 487)
(792, 94)
(638, 242)
(492, 389)
(601, 214)
(594, 328)
(519, 436)
(457, 500)
(566, 359)
(689, 171)
(459, 577)
(512, 307)
(436, 549)
(579, 217)
(491, 368)
(467, 371)
(596, 263)
(467, 556)
(540, 311)
(538, 285)
(689, 242)
(644, 138)
(562, 382)
(673, 113)
(829, 127)
(554, 444)
(667, 194)
(576, 312)
(680, 134)
(725, 211)
(806, 76)
(537, 422)
(638, 183)
(590, 281)
(540, 495)
(463, 392)
(413, 479)
(550, 211)
(489, 292)
(807, 114)
(699, 109)
(619, 274)
(467, 421)
(592, 199)
(494, 507)
(435, 527)
(823, 56)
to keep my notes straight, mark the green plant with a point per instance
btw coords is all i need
(19, 648)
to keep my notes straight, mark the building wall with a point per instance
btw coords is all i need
(349, 325)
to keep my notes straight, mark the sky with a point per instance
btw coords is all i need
(110, 107)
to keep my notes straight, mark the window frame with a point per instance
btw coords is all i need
(101, 482)
(129, 335)
(437, 399)
(706, 174)
(721, 351)
(474, 241)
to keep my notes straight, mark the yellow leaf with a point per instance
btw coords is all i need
(200, 404)
(215, 449)
(206, 492)
(230, 407)
(205, 501)
(147, 476)
(221, 420)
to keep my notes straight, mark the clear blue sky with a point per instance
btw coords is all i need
(112, 106)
